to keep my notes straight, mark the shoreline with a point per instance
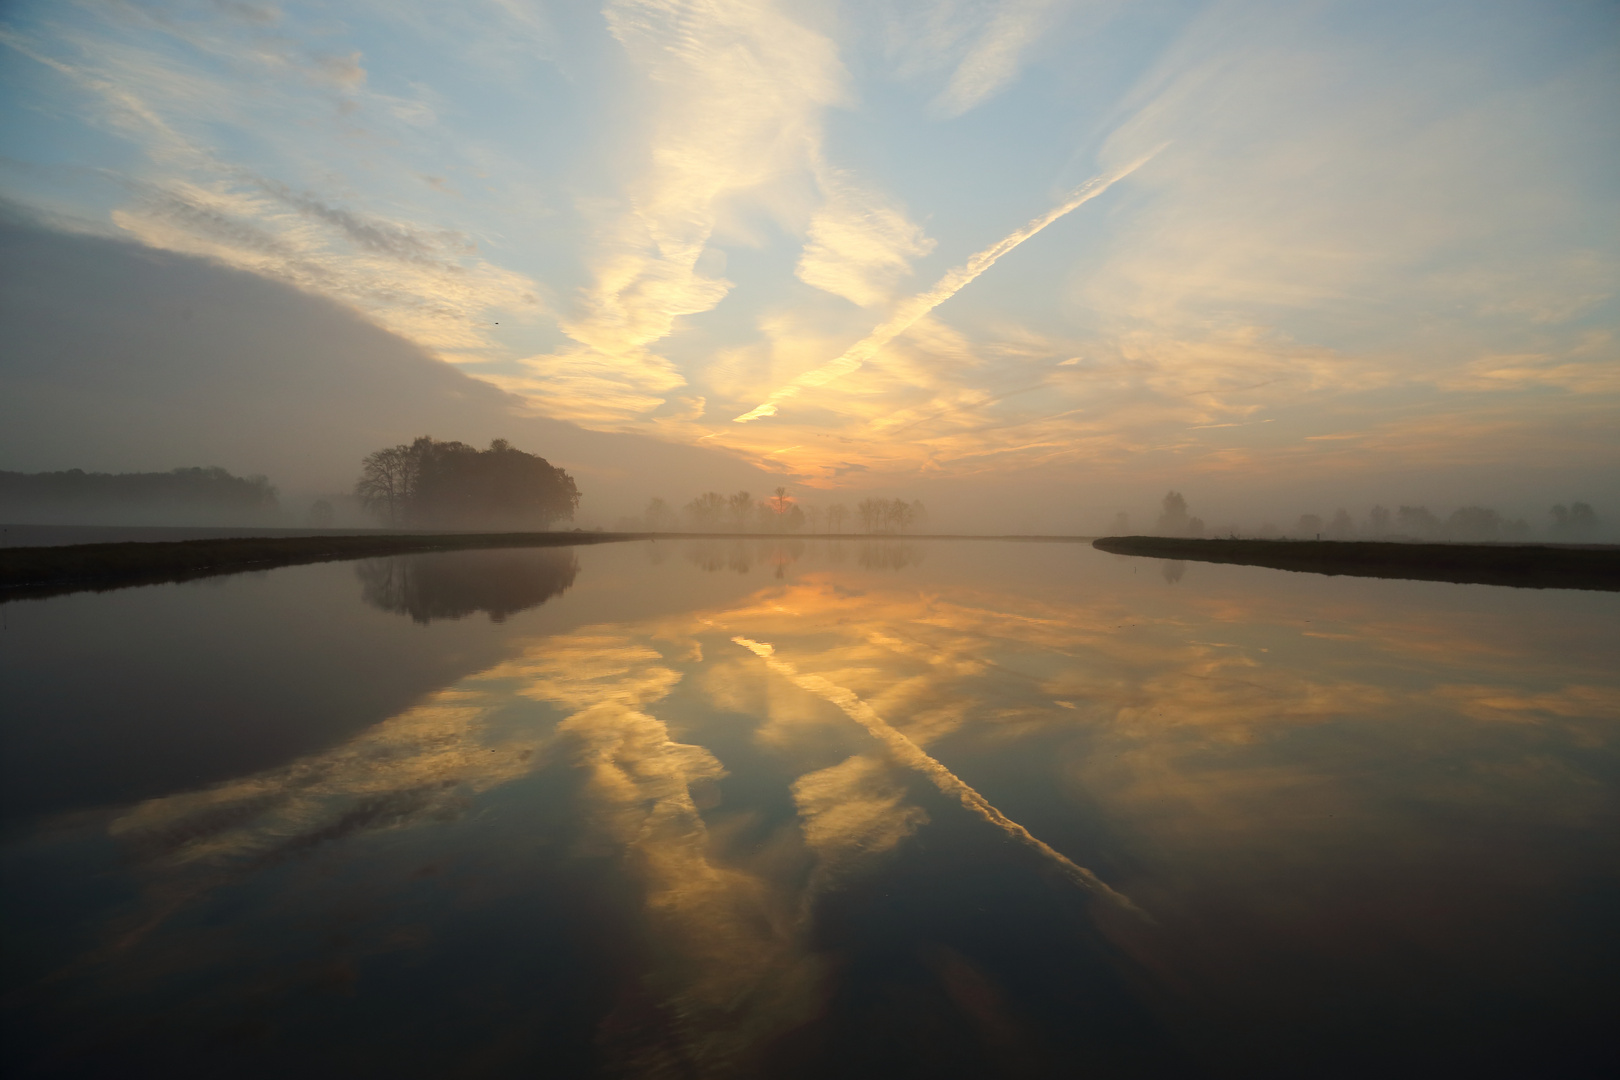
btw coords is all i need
(39, 572)
(33, 573)
(1524, 566)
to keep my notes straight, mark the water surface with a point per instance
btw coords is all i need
(755, 808)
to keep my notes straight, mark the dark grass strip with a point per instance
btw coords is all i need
(33, 572)
(1525, 566)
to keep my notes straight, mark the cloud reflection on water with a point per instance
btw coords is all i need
(1243, 762)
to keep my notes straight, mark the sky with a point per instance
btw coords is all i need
(1036, 260)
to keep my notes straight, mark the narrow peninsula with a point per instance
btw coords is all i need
(1527, 566)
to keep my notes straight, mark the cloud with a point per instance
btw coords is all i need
(340, 71)
(996, 55)
(905, 752)
(853, 812)
(909, 311)
(983, 46)
(737, 91)
(157, 85)
(858, 246)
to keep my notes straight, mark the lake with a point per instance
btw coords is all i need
(801, 808)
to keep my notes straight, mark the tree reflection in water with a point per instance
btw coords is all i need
(888, 555)
(455, 585)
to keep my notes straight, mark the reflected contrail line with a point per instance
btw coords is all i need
(913, 756)
(954, 281)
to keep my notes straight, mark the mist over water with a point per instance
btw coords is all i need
(785, 807)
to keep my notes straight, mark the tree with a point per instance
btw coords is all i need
(741, 508)
(387, 483)
(836, 515)
(1173, 518)
(1416, 521)
(658, 516)
(871, 514)
(1575, 522)
(705, 511)
(435, 483)
(321, 514)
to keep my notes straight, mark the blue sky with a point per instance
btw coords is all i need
(1322, 242)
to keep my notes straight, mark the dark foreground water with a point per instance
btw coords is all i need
(714, 809)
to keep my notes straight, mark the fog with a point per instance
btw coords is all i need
(120, 358)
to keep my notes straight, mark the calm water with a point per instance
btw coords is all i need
(804, 809)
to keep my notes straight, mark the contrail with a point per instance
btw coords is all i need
(948, 286)
(910, 754)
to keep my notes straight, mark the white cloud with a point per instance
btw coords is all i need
(858, 245)
(736, 91)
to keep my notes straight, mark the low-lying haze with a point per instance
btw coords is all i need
(1033, 263)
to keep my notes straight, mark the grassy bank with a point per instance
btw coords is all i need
(50, 571)
(1531, 566)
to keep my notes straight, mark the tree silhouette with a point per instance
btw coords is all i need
(1578, 521)
(1173, 519)
(428, 482)
(705, 511)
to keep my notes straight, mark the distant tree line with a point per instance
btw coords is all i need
(429, 483)
(779, 513)
(1576, 523)
(195, 494)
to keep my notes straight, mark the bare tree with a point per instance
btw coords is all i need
(705, 511)
(871, 513)
(388, 480)
(836, 515)
(741, 507)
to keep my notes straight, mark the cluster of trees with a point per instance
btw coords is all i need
(453, 485)
(779, 513)
(1574, 523)
(195, 496)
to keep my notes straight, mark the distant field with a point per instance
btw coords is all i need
(1531, 566)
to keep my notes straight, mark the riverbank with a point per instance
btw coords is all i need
(32, 572)
(1526, 566)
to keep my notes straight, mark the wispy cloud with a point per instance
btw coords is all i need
(982, 47)
(858, 245)
(161, 88)
(909, 311)
(737, 91)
